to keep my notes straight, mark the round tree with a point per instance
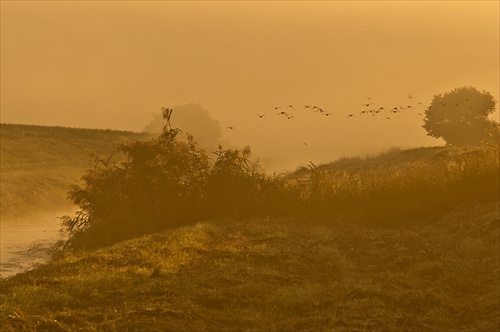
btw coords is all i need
(460, 116)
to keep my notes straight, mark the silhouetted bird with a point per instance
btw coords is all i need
(367, 104)
(260, 115)
(229, 127)
(350, 116)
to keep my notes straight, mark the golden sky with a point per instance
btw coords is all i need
(112, 64)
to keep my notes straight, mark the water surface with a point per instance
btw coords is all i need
(24, 241)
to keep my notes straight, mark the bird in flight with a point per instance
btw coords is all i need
(229, 127)
(367, 104)
(350, 116)
(290, 117)
(260, 115)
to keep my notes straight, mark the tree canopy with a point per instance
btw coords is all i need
(460, 117)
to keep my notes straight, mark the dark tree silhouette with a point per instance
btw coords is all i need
(460, 117)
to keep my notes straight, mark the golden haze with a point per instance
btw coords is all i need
(113, 64)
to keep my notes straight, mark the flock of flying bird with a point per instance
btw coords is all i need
(370, 109)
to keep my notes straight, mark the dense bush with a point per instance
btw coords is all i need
(167, 182)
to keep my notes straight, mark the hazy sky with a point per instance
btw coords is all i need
(112, 64)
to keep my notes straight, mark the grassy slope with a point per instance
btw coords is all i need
(288, 274)
(265, 274)
(38, 163)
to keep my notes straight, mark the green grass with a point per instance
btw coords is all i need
(441, 273)
(38, 164)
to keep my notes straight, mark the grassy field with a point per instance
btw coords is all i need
(408, 240)
(437, 274)
(38, 163)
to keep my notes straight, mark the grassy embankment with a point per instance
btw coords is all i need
(38, 164)
(432, 268)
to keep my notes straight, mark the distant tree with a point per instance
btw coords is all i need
(460, 117)
(195, 120)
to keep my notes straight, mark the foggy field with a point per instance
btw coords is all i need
(439, 273)
(254, 166)
(405, 240)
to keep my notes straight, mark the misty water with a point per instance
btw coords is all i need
(24, 241)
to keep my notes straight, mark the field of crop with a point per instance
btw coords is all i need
(38, 164)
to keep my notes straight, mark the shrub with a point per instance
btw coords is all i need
(166, 182)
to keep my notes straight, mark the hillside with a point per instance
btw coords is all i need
(39, 163)
(452, 156)
(406, 240)
(438, 273)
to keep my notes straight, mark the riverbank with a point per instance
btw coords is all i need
(437, 273)
(38, 164)
(25, 242)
